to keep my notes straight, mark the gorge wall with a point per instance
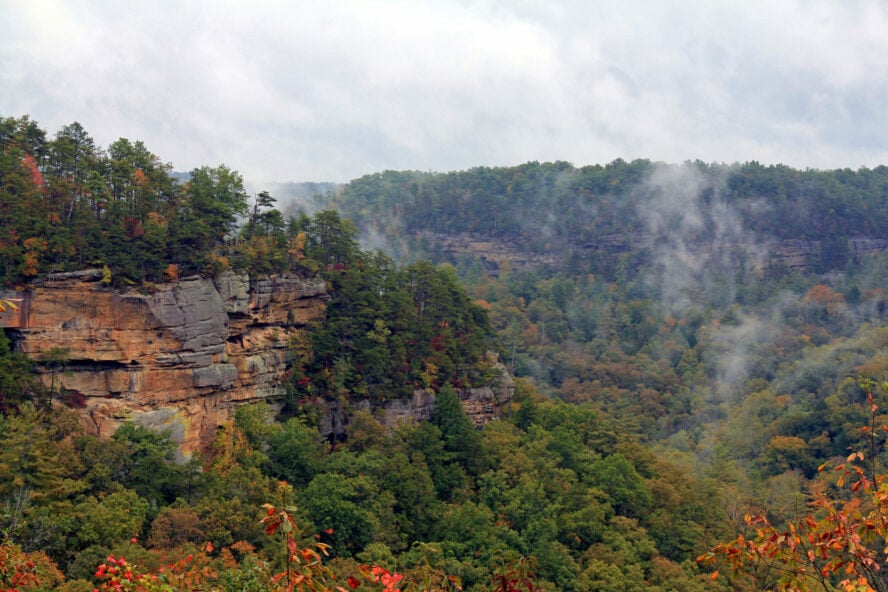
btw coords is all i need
(183, 356)
(180, 357)
(494, 251)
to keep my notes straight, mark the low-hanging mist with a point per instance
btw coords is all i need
(663, 294)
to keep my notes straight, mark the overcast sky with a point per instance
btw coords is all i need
(330, 90)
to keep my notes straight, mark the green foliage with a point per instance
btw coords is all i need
(149, 469)
(331, 239)
(448, 477)
(459, 436)
(562, 489)
(116, 518)
(17, 383)
(336, 506)
(295, 452)
(389, 331)
(628, 492)
(30, 458)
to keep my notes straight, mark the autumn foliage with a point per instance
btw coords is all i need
(208, 568)
(838, 543)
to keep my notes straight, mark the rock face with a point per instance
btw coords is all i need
(495, 252)
(180, 357)
(482, 405)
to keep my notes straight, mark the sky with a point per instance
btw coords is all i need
(332, 90)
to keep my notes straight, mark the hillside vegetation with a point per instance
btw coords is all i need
(727, 316)
(668, 302)
(674, 372)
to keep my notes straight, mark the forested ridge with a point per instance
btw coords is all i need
(557, 207)
(669, 383)
(687, 310)
(66, 204)
(729, 316)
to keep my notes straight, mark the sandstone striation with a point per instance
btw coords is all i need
(180, 356)
(482, 405)
(495, 252)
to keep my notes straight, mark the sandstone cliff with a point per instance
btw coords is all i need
(482, 405)
(183, 356)
(495, 251)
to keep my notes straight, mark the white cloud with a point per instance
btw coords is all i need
(315, 91)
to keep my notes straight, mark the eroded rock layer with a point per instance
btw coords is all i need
(181, 356)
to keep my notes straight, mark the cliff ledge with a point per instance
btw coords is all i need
(183, 356)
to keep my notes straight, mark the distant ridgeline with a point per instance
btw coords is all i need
(68, 205)
(597, 218)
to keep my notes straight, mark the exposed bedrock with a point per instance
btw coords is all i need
(182, 356)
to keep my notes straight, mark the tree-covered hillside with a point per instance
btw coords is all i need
(556, 207)
(698, 341)
(67, 204)
(556, 495)
(721, 313)
(556, 482)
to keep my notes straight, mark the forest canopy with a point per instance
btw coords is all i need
(692, 343)
(67, 204)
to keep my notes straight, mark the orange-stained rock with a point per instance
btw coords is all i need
(181, 356)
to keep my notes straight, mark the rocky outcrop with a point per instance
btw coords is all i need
(485, 404)
(860, 246)
(496, 252)
(795, 255)
(182, 356)
(179, 356)
(482, 405)
(805, 255)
